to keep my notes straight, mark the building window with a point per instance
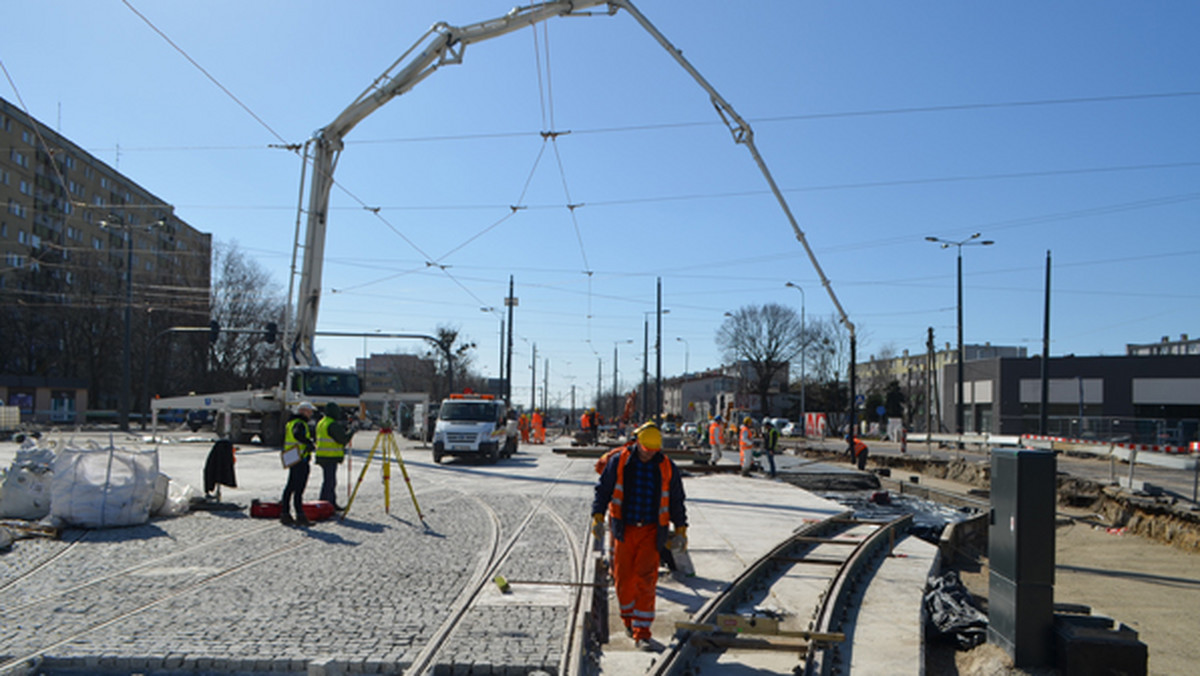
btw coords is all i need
(16, 209)
(35, 241)
(97, 244)
(3, 177)
(104, 182)
(26, 188)
(69, 161)
(27, 136)
(18, 158)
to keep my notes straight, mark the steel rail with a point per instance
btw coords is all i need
(830, 612)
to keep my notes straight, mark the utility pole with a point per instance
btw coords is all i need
(1044, 421)
(533, 380)
(929, 393)
(658, 409)
(510, 302)
(546, 389)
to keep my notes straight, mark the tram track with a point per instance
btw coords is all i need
(435, 650)
(843, 551)
(31, 657)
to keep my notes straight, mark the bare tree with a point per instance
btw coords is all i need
(244, 297)
(767, 337)
(458, 374)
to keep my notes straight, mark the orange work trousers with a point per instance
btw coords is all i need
(539, 435)
(525, 435)
(635, 571)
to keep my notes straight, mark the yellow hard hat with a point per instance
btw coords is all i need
(746, 420)
(649, 437)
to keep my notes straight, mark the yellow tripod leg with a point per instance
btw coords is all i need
(407, 481)
(361, 474)
(387, 473)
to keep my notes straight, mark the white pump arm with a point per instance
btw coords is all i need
(744, 135)
(441, 45)
(444, 45)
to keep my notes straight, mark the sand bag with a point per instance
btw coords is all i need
(103, 488)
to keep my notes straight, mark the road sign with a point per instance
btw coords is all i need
(881, 410)
(860, 399)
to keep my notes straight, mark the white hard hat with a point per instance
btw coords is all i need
(303, 405)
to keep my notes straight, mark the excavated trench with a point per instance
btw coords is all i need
(1160, 518)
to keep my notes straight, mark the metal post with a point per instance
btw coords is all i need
(958, 404)
(511, 302)
(126, 358)
(645, 363)
(614, 389)
(1044, 420)
(658, 409)
(533, 380)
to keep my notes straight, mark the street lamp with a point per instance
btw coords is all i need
(115, 221)
(946, 244)
(687, 349)
(615, 344)
(803, 350)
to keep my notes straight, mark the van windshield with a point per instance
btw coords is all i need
(468, 411)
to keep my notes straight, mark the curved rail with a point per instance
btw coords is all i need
(691, 642)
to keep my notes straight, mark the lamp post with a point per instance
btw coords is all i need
(115, 221)
(615, 344)
(946, 244)
(687, 349)
(803, 354)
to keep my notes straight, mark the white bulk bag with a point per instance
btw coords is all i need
(103, 488)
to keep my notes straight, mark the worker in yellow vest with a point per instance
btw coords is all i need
(296, 436)
(332, 437)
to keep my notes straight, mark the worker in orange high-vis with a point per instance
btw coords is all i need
(539, 427)
(523, 426)
(642, 491)
(746, 444)
(716, 439)
(860, 453)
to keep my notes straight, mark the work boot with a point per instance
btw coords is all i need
(303, 521)
(286, 519)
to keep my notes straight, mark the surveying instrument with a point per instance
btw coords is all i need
(385, 442)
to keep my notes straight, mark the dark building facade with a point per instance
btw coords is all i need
(1143, 399)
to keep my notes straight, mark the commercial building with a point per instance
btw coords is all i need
(74, 232)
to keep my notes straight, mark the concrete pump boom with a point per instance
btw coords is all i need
(443, 45)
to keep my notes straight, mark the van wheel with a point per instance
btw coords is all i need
(437, 457)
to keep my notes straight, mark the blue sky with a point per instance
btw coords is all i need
(1068, 126)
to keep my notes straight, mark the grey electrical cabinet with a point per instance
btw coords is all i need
(1021, 555)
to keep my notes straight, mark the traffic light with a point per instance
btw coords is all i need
(214, 331)
(272, 330)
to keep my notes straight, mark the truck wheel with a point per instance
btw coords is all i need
(437, 457)
(272, 431)
(510, 447)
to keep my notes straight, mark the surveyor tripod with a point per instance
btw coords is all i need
(385, 442)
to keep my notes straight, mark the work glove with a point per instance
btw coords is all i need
(681, 537)
(598, 526)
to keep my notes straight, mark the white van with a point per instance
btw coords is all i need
(474, 425)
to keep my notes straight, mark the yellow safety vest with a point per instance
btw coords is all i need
(326, 446)
(289, 437)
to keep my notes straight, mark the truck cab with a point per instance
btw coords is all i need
(473, 425)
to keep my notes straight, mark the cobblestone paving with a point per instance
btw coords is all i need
(219, 592)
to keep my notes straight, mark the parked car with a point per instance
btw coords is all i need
(792, 429)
